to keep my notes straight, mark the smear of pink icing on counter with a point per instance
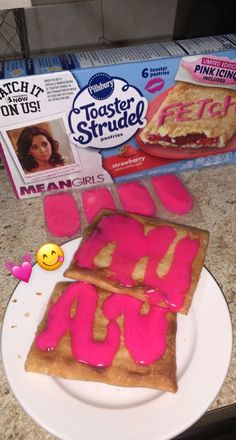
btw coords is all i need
(173, 194)
(131, 245)
(61, 214)
(145, 335)
(96, 199)
(135, 198)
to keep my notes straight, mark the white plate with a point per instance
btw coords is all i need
(73, 410)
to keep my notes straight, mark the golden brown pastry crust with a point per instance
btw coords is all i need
(99, 276)
(222, 127)
(123, 372)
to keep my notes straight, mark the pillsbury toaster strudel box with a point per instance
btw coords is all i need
(112, 115)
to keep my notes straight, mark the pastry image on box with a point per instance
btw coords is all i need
(91, 334)
(148, 258)
(193, 116)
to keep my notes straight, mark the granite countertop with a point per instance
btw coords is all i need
(22, 230)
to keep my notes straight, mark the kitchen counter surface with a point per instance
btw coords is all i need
(22, 230)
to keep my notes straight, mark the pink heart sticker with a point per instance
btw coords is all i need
(22, 272)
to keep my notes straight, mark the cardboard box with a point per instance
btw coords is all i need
(112, 115)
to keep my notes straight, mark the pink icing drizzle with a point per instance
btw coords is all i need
(173, 194)
(144, 334)
(96, 199)
(61, 214)
(121, 230)
(136, 198)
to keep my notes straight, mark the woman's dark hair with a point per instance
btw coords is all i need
(24, 143)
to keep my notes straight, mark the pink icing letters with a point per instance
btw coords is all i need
(84, 348)
(202, 104)
(228, 103)
(182, 110)
(144, 334)
(195, 109)
(121, 230)
(168, 110)
(211, 108)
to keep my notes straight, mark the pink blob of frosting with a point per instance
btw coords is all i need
(61, 214)
(135, 198)
(96, 199)
(173, 194)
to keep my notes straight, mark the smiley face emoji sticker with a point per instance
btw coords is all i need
(50, 256)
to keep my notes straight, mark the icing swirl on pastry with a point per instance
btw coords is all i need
(75, 312)
(138, 261)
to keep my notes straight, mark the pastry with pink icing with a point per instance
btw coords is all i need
(61, 215)
(135, 198)
(96, 199)
(173, 194)
(193, 116)
(91, 334)
(148, 258)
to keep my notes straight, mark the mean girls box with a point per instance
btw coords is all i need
(112, 115)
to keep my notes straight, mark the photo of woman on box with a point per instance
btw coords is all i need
(37, 150)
